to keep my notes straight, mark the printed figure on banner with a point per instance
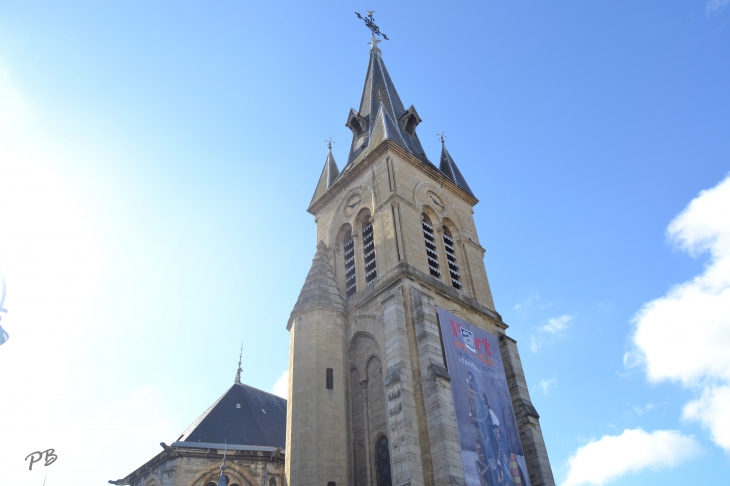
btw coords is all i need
(491, 451)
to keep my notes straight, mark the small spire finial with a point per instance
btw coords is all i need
(238, 373)
(374, 43)
(222, 477)
(442, 137)
(329, 143)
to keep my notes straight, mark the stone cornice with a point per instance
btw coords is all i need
(405, 270)
(212, 453)
(299, 312)
(395, 198)
(473, 244)
(347, 177)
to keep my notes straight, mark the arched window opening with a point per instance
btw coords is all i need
(371, 271)
(214, 481)
(431, 253)
(383, 462)
(355, 126)
(411, 124)
(349, 256)
(451, 258)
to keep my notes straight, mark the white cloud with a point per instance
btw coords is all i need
(611, 456)
(557, 324)
(534, 344)
(715, 6)
(554, 327)
(546, 385)
(685, 335)
(645, 409)
(712, 410)
(281, 387)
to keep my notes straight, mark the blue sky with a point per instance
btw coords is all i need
(156, 161)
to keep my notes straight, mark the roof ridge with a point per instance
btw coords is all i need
(262, 391)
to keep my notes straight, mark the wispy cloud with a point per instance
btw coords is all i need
(281, 387)
(527, 302)
(557, 324)
(641, 410)
(684, 336)
(533, 301)
(714, 7)
(546, 385)
(549, 331)
(612, 456)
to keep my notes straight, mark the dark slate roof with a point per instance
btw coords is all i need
(329, 174)
(449, 168)
(260, 420)
(320, 288)
(379, 94)
(382, 116)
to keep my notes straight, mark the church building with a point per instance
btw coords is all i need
(401, 372)
(398, 261)
(239, 440)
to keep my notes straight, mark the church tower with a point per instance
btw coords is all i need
(370, 392)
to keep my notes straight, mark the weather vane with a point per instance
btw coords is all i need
(441, 136)
(329, 143)
(370, 24)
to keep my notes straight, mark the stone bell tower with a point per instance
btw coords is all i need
(370, 399)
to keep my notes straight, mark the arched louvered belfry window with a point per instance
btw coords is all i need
(431, 251)
(383, 455)
(368, 249)
(349, 256)
(451, 259)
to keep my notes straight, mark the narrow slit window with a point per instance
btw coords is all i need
(350, 279)
(330, 379)
(371, 271)
(383, 463)
(431, 252)
(451, 259)
(331, 483)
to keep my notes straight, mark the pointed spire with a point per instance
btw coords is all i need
(379, 91)
(320, 288)
(238, 373)
(222, 477)
(449, 168)
(329, 174)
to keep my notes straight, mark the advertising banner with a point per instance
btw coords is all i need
(490, 442)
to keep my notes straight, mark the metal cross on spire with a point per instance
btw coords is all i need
(329, 143)
(370, 24)
(442, 137)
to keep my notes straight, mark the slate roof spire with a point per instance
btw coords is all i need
(381, 105)
(449, 168)
(238, 373)
(329, 174)
(320, 288)
(222, 477)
